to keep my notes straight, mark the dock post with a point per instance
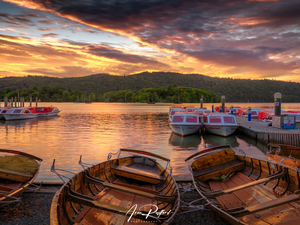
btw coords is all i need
(12, 102)
(201, 101)
(36, 101)
(212, 108)
(5, 101)
(277, 100)
(249, 114)
(30, 99)
(15, 101)
(223, 102)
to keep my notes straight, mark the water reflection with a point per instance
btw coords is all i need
(216, 140)
(20, 122)
(186, 141)
(94, 130)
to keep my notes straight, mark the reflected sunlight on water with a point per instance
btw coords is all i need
(94, 130)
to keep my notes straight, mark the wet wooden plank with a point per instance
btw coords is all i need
(228, 201)
(144, 188)
(140, 203)
(246, 198)
(219, 170)
(86, 209)
(126, 203)
(137, 174)
(93, 215)
(213, 159)
(264, 195)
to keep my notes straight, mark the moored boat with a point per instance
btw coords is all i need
(17, 172)
(2, 111)
(222, 124)
(175, 110)
(254, 113)
(234, 110)
(119, 191)
(287, 154)
(47, 111)
(201, 112)
(20, 113)
(246, 190)
(185, 123)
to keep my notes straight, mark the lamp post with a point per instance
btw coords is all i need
(223, 102)
(18, 99)
(277, 101)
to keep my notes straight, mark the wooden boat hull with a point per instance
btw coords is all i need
(17, 171)
(107, 193)
(220, 129)
(245, 190)
(22, 116)
(184, 130)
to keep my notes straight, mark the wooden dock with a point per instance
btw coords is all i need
(261, 132)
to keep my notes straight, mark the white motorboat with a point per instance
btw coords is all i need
(47, 111)
(190, 108)
(201, 113)
(185, 123)
(173, 111)
(2, 111)
(222, 124)
(20, 113)
(234, 109)
(254, 113)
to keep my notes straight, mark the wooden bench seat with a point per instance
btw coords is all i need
(117, 182)
(219, 170)
(15, 175)
(138, 174)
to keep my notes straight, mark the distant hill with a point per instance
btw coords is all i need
(235, 90)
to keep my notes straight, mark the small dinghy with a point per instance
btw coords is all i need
(17, 172)
(246, 190)
(134, 189)
(285, 154)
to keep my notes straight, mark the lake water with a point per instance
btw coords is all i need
(94, 130)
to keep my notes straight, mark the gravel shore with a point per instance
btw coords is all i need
(34, 209)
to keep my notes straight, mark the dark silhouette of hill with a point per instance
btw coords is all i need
(235, 90)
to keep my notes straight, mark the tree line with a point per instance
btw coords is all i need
(235, 90)
(170, 94)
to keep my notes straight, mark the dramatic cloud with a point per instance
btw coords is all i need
(242, 39)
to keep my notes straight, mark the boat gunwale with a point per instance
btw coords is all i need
(54, 216)
(220, 210)
(24, 185)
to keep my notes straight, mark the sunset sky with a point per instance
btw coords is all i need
(253, 39)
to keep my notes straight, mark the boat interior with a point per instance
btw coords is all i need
(246, 190)
(17, 170)
(113, 191)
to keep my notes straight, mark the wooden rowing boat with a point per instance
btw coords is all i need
(284, 150)
(285, 154)
(17, 172)
(245, 190)
(119, 191)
